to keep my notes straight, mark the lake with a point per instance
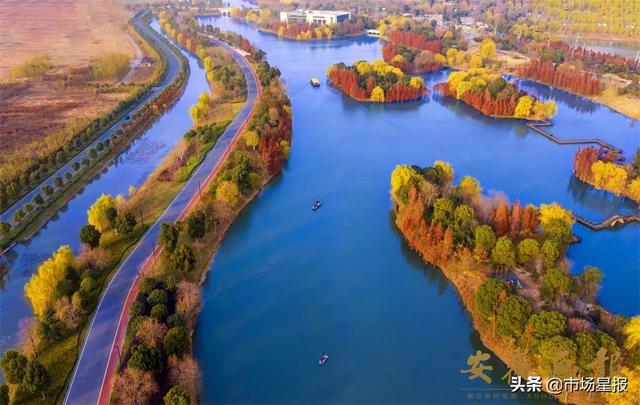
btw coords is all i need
(289, 284)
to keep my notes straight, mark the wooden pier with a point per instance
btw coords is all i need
(608, 223)
(536, 127)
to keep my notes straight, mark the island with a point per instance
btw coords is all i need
(494, 96)
(508, 265)
(377, 82)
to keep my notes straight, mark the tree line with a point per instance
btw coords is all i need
(376, 82)
(547, 316)
(160, 365)
(562, 75)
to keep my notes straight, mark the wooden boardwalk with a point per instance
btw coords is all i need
(608, 223)
(596, 141)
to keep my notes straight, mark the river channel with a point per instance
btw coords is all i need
(130, 168)
(288, 284)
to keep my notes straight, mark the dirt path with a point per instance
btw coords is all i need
(135, 62)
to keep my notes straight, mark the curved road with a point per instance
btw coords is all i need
(173, 70)
(96, 362)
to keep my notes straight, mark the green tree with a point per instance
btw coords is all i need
(546, 324)
(550, 252)
(159, 311)
(503, 255)
(196, 224)
(168, 236)
(589, 282)
(125, 223)
(146, 358)
(90, 236)
(36, 378)
(4, 394)
(4, 229)
(552, 350)
(157, 296)
(586, 349)
(177, 396)
(13, 365)
(183, 259)
(443, 211)
(556, 282)
(490, 295)
(485, 240)
(528, 249)
(513, 316)
(177, 341)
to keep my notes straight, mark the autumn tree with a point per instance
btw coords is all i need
(134, 386)
(185, 373)
(188, 302)
(151, 332)
(125, 223)
(487, 48)
(228, 193)
(40, 290)
(102, 213)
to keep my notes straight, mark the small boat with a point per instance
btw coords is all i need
(315, 82)
(316, 205)
(323, 359)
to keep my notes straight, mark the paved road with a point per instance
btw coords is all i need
(94, 362)
(173, 70)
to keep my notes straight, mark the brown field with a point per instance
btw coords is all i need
(37, 115)
(71, 32)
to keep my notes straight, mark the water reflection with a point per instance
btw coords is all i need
(599, 200)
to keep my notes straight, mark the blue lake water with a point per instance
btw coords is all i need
(288, 284)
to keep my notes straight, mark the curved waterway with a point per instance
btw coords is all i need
(288, 284)
(130, 168)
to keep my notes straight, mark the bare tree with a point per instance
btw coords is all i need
(185, 372)
(67, 313)
(30, 339)
(188, 303)
(134, 387)
(151, 332)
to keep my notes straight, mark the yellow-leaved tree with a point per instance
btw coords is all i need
(41, 288)
(524, 106)
(377, 94)
(401, 177)
(228, 193)
(101, 213)
(487, 48)
(416, 82)
(553, 211)
(476, 61)
(633, 189)
(609, 176)
(251, 139)
(632, 333)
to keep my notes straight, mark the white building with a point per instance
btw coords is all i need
(314, 16)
